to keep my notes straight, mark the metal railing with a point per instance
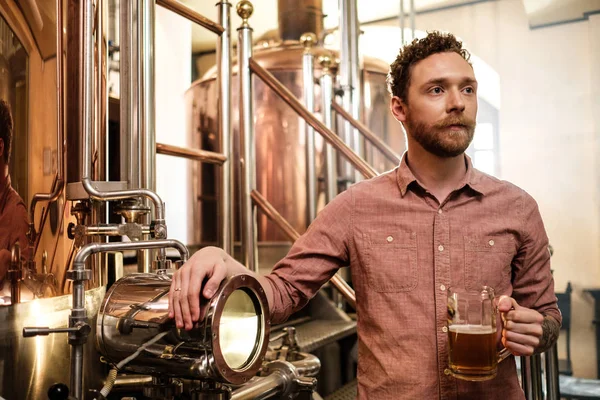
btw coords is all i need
(223, 30)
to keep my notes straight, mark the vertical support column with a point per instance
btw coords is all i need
(146, 115)
(326, 98)
(345, 81)
(308, 41)
(355, 82)
(247, 142)
(402, 25)
(551, 369)
(225, 133)
(531, 377)
(100, 209)
(130, 145)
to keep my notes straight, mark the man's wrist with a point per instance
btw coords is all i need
(550, 332)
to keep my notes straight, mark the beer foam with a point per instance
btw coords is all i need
(472, 329)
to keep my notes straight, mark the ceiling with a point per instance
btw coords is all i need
(540, 13)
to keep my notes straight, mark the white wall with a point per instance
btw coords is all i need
(173, 77)
(549, 130)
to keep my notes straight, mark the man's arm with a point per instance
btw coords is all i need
(550, 332)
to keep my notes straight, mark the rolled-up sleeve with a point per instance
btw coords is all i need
(313, 259)
(533, 285)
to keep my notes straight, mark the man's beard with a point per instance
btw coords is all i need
(438, 139)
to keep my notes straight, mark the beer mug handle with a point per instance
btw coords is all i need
(503, 354)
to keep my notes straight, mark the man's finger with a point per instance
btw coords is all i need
(517, 349)
(184, 283)
(171, 293)
(506, 303)
(176, 294)
(525, 316)
(197, 276)
(520, 338)
(219, 273)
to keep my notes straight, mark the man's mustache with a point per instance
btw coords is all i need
(455, 121)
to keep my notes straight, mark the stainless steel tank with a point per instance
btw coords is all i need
(280, 141)
(30, 366)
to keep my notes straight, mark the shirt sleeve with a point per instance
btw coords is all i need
(313, 259)
(533, 284)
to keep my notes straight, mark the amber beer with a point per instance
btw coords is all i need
(472, 352)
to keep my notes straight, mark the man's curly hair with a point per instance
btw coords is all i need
(6, 128)
(398, 78)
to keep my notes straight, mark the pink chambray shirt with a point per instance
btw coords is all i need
(404, 249)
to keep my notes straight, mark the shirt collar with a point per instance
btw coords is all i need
(472, 179)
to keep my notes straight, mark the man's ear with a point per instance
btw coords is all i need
(398, 108)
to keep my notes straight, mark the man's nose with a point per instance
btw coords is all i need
(455, 101)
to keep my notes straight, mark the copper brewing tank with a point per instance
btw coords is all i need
(280, 140)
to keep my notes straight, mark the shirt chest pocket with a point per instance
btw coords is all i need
(391, 261)
(488, 262)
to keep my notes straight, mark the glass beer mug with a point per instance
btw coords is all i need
(472, 335)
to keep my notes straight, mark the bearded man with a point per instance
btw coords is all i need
(433, 222)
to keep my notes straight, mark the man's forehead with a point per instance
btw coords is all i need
(442, 66)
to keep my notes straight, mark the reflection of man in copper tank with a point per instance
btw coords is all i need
(13, 212)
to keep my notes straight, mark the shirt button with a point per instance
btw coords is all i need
(440, 211)
(447, 371)
(491, 242)
(441, 248)
(442, 288)
(389, 239)
(445, 329)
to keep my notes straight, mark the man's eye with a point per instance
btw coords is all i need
(436, 90)
(469, 90)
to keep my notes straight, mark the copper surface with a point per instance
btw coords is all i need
(309, 117)
(297, 17)
(280, 141)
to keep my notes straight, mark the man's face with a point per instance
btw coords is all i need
(441, 104)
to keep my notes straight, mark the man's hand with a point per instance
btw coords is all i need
(522, 327)
(208, 264)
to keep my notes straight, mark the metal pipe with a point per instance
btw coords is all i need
(308, 77)
(224, 75)
(60, 184)
(146, 114)
(308, 365)
(271, 213)
(93, 248)
(531, 377)
(331, 186)
(110, 230)
(205, 156)
(386, 150)
(129, 101)
(191, 15)
(345, 79)
(551, 368)
(262, 388)
(401, 18)
(247, 139)
(131, 382)
(86, 63)
(412, 19)
(355, 79)
(327, 134)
